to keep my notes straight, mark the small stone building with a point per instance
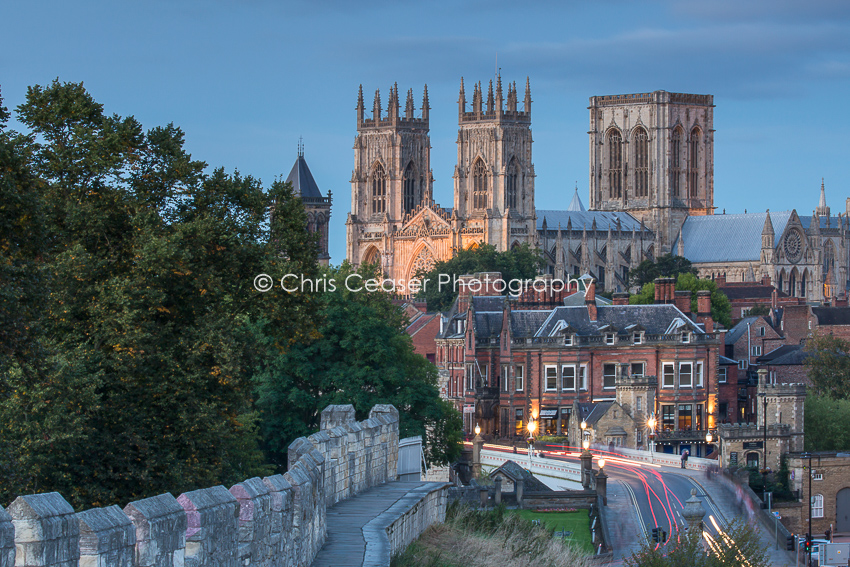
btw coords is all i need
(510, 473)
(830, 493)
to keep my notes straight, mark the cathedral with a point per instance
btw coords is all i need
(651, 180)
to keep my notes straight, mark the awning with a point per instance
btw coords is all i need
(549, 413)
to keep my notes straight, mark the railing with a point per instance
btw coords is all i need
(678, 434)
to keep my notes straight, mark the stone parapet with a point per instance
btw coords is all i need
(107, 538)
(46, 532)
(7, 540)
(256, 546)
(212, 531)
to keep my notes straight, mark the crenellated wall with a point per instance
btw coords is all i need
(278, 521)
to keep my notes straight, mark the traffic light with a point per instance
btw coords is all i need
(808, 546)
(789, 543)
(656, 536)
(663, 536)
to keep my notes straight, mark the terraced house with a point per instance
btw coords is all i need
(510, 360)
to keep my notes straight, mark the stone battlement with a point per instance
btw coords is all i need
(277, 521)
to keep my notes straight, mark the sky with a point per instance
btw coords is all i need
(245, 79)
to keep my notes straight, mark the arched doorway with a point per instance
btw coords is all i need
(753, 460)
(842, 511)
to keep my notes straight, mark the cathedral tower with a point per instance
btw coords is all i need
(391, 177)
(318, 208)
(652, 155)
(494, 177)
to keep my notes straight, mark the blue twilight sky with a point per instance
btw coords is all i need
(244, 79)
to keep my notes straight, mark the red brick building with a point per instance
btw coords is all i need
(507, 362)
(743, 296)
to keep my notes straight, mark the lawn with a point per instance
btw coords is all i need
(576, 522)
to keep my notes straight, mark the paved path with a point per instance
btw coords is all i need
(346, 544)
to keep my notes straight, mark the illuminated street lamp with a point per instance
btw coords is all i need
(477, 430)
(532, 427)
(651, 423)
(601, 464)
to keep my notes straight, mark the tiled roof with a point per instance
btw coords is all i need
(735, 332)
(516, 472)
(727, 238)
(593, 412)
(753, 291)
(655, 319)
(525, 323)
(776, 353)
(793, 358)
(584, 219)
(832, 315)
(302, 180)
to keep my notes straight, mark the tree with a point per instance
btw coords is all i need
(363, 364)
(522, 262)
(759, 309)
(668, 265)
(738, 545)
(146, 321)
(828, 366)
(721, 309)
(827, 423)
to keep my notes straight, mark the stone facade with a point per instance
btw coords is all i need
(278, 521)
(830, 487)
(652, 154)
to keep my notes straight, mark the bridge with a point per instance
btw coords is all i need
(340, 503)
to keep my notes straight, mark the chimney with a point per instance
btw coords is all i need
(463, 293)
(682, 300)
(721, 280)
(621, 298)
(590, 300)
(774, 300)
(660, 290)
(704, 310)
(765, 280)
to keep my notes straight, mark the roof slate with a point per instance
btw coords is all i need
(516, 472)
(302, 180)
(832, 315)
(727, 238)
(584, 219)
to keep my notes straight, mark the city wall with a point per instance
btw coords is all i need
(277, 521)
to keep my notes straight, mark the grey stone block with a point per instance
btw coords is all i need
(212, 533)
(160, 525)
(46, 532)
(333, 416)
(7, 540)
(255, 522)
(107, 538)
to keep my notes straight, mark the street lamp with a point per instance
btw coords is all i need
(651, 422)
(708, 439)
(601, 463)
(583, 426)
(477, 430)
(532, 427)
(764, 469)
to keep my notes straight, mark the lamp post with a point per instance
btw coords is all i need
(586, 464)
(708, 439)
(602, 483)
(764, 469)
(532, 427)
(809, 532)
(477, 445)
(651, 422)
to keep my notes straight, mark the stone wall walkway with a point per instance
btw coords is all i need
(354, 525)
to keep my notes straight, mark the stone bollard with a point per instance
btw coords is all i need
(107, 538)
(160, 524)
(602, 487)
(46, 532)
(520, 486)
(256, 547)
(497, 498)
(694, 512)
(212, 535)
(586, 468)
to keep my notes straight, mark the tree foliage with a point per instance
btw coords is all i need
(129, 353)
(721, 309)
(827, 423)
(828, 366)
(738, 545)
(667, 266)
(367, 363)
(522, 262)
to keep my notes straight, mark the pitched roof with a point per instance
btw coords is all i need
(735, 332)
(793, 358)
(727, 238)
(751, 291)
(576, 204)
(517, 472)
(832, 315)
(655, 319)
(593, 412)
(302, 180)
(776, 353)
(584, 219)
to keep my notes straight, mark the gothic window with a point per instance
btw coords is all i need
(480, 185)
(371, 256)
(693, 163)
(828, 256)
(641, 141)
(379, 190)
(676, 161)
(511, 185)
(411, 195)
(615, 164)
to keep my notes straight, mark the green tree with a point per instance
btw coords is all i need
(148, 314)
(738, 545)
(827, 423)
(759, 309)
(363, 364)
(828, 366)
(668, 266)
(522, 262)
(721, 309)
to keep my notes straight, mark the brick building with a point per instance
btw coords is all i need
(743, 296)
(830, 493)
(507, 362)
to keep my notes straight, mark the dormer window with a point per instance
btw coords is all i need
(686, 338)
(568, 339)
(638, 337)
(610, 338)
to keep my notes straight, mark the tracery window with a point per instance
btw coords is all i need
(676, 161)
(411, 195)
(693, 163)
(379, 190)
(480, 185)
(641, 140)
(511, 185)
(615, 164)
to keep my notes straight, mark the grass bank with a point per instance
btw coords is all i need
(471, 538)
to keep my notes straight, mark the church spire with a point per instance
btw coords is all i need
(822, 210)
(409, 109)
(476, 99)
(376, 107)
(360, 107)
(392, 104)
(490, 103)
(499, 98)
(461, 100)
(426, 105)
(527, 107)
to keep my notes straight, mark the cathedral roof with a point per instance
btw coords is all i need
(302, 180)
(727, 238)
(576, 204)
(579, 219)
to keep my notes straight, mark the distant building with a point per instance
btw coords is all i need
(318, 207)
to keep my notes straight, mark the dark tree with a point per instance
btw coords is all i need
(667, 266)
